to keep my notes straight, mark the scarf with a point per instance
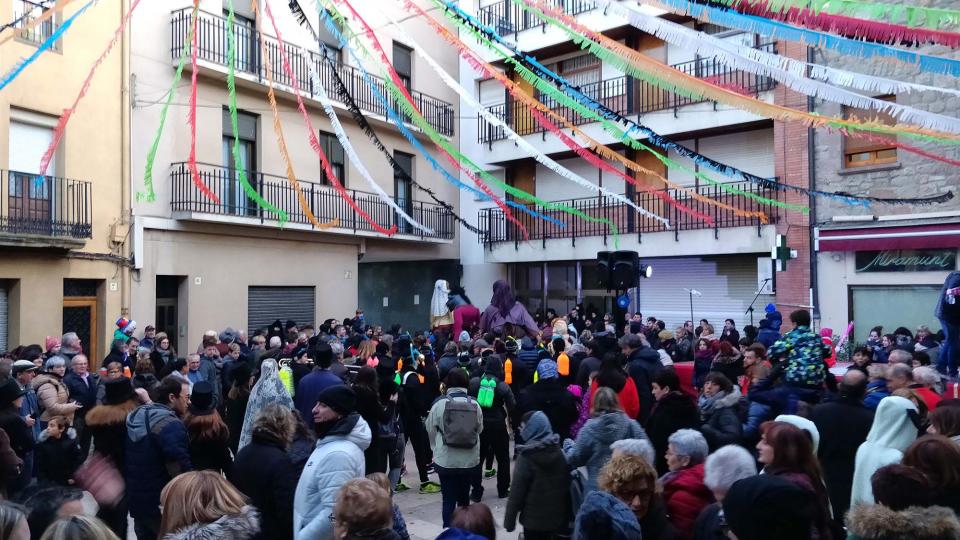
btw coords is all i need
(269, 389)
(709, 404)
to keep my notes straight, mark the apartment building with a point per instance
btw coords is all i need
(205, 265)
(726, 263)
(62, 235)
(884, 265)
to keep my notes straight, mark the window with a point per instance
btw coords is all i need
(402, 187)
(334, 152)
(582, 71)
(403, 63)
(245, 34)
(329, 40)
(861, 152)
(30, 199)
(25, 11)
(233, 198)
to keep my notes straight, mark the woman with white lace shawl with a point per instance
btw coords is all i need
(268, 389)
(441, 317)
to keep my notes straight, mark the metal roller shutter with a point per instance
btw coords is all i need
(267, 304)
(727, 285)
(3, 315)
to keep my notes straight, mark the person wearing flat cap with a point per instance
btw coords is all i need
(21, 436)
(209, 436)
(337, 458)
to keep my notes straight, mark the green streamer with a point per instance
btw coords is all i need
(234, 121)
(614, 59)
(913, 16)
(438, 139)
(548, 89)
(150, 195)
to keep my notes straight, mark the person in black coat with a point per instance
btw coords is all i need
(494, 440)
(719, 410)
(843, 425)
(235, 404)
(376, 415)
(549, 395)
(643, 363)
(541, 482)
(948, 312)
(107, 425)
(21, 436)
(264, 472)
(58, 452)
(209, 435)
(673, 410)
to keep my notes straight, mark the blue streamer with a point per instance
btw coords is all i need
(654, 137)
(759, 25)
(398, 121)
(47, 43)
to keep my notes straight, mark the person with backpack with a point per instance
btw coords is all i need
(454, 425)
(497, 403)
(414, 407)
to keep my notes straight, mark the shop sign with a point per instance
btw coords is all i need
(907, 260)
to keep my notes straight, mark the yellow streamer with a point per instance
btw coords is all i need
(278, 129)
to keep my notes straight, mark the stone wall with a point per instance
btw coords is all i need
(912, 175)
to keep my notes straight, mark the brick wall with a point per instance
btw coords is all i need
(790, 147)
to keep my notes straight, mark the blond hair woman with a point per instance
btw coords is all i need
(78, 528)
(201, 504)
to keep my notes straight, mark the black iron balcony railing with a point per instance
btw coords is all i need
(25, 11)
(33, 205)
(324, 202)
(626, 96)
(497, 229)
(212, 47)
(507, 17)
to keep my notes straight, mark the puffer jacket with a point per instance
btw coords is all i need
(337, 458)
(721, 426)
(605, 517)
(54, 396)
(592, 447)
(686, 496)
(529, 356)
(878, 522)
(156, 450)
(243, 526)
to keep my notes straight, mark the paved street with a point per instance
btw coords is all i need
(422, 512)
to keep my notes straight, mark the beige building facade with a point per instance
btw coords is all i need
(63, 236)
(203, 265)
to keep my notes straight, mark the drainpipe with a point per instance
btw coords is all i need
(126, 214)
(812, 172)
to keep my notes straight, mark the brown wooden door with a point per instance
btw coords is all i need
(648, 182)
(80, 316)
(523, 122)
(648, 97)
(30, 203)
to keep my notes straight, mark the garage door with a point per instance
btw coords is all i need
(267, 304)
(726, 284)
(3, 315)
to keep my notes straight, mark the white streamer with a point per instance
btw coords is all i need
(352, 154)
(539, 156)
(762, 63)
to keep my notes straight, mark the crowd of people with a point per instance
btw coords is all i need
(300, 431)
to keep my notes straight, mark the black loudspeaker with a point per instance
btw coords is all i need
(604, 269)
(623, 274)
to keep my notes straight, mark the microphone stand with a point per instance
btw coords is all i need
(759, 292)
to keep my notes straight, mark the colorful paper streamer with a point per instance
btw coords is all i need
(55, 36)
(238, 164)
(61, 126)
(192, 118)
(278, 129)
(910, 15)
(149, 195)
(33, 23)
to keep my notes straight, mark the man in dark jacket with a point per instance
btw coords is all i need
(83, 386)
(317, 381)
(948, 311)
(494, 440)
(529, 356)
(541, 489)
(674, 410)
(767, 335)
(843, 425)
(157, 449)
(550, 396)
(642, 364)
(448, 360)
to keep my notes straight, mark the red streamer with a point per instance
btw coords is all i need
(851, 27)
(314, 143)
(192, 117)
(453, 161)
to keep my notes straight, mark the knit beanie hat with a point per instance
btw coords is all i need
(340, 398)
(770, 308)
(804, 425)
(767, 506)
(547, 369)
(464, 336)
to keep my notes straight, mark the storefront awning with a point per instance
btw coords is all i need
(944, 235)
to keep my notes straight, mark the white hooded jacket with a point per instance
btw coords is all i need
(892, 432)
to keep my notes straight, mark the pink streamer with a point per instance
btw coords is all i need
(905, 147)
(67, 113)
(851, 27)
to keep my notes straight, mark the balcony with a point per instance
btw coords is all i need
(627, 96)
(507, 17)
(187, 202)
(249, 63)
(44, 211)
(498, 230)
